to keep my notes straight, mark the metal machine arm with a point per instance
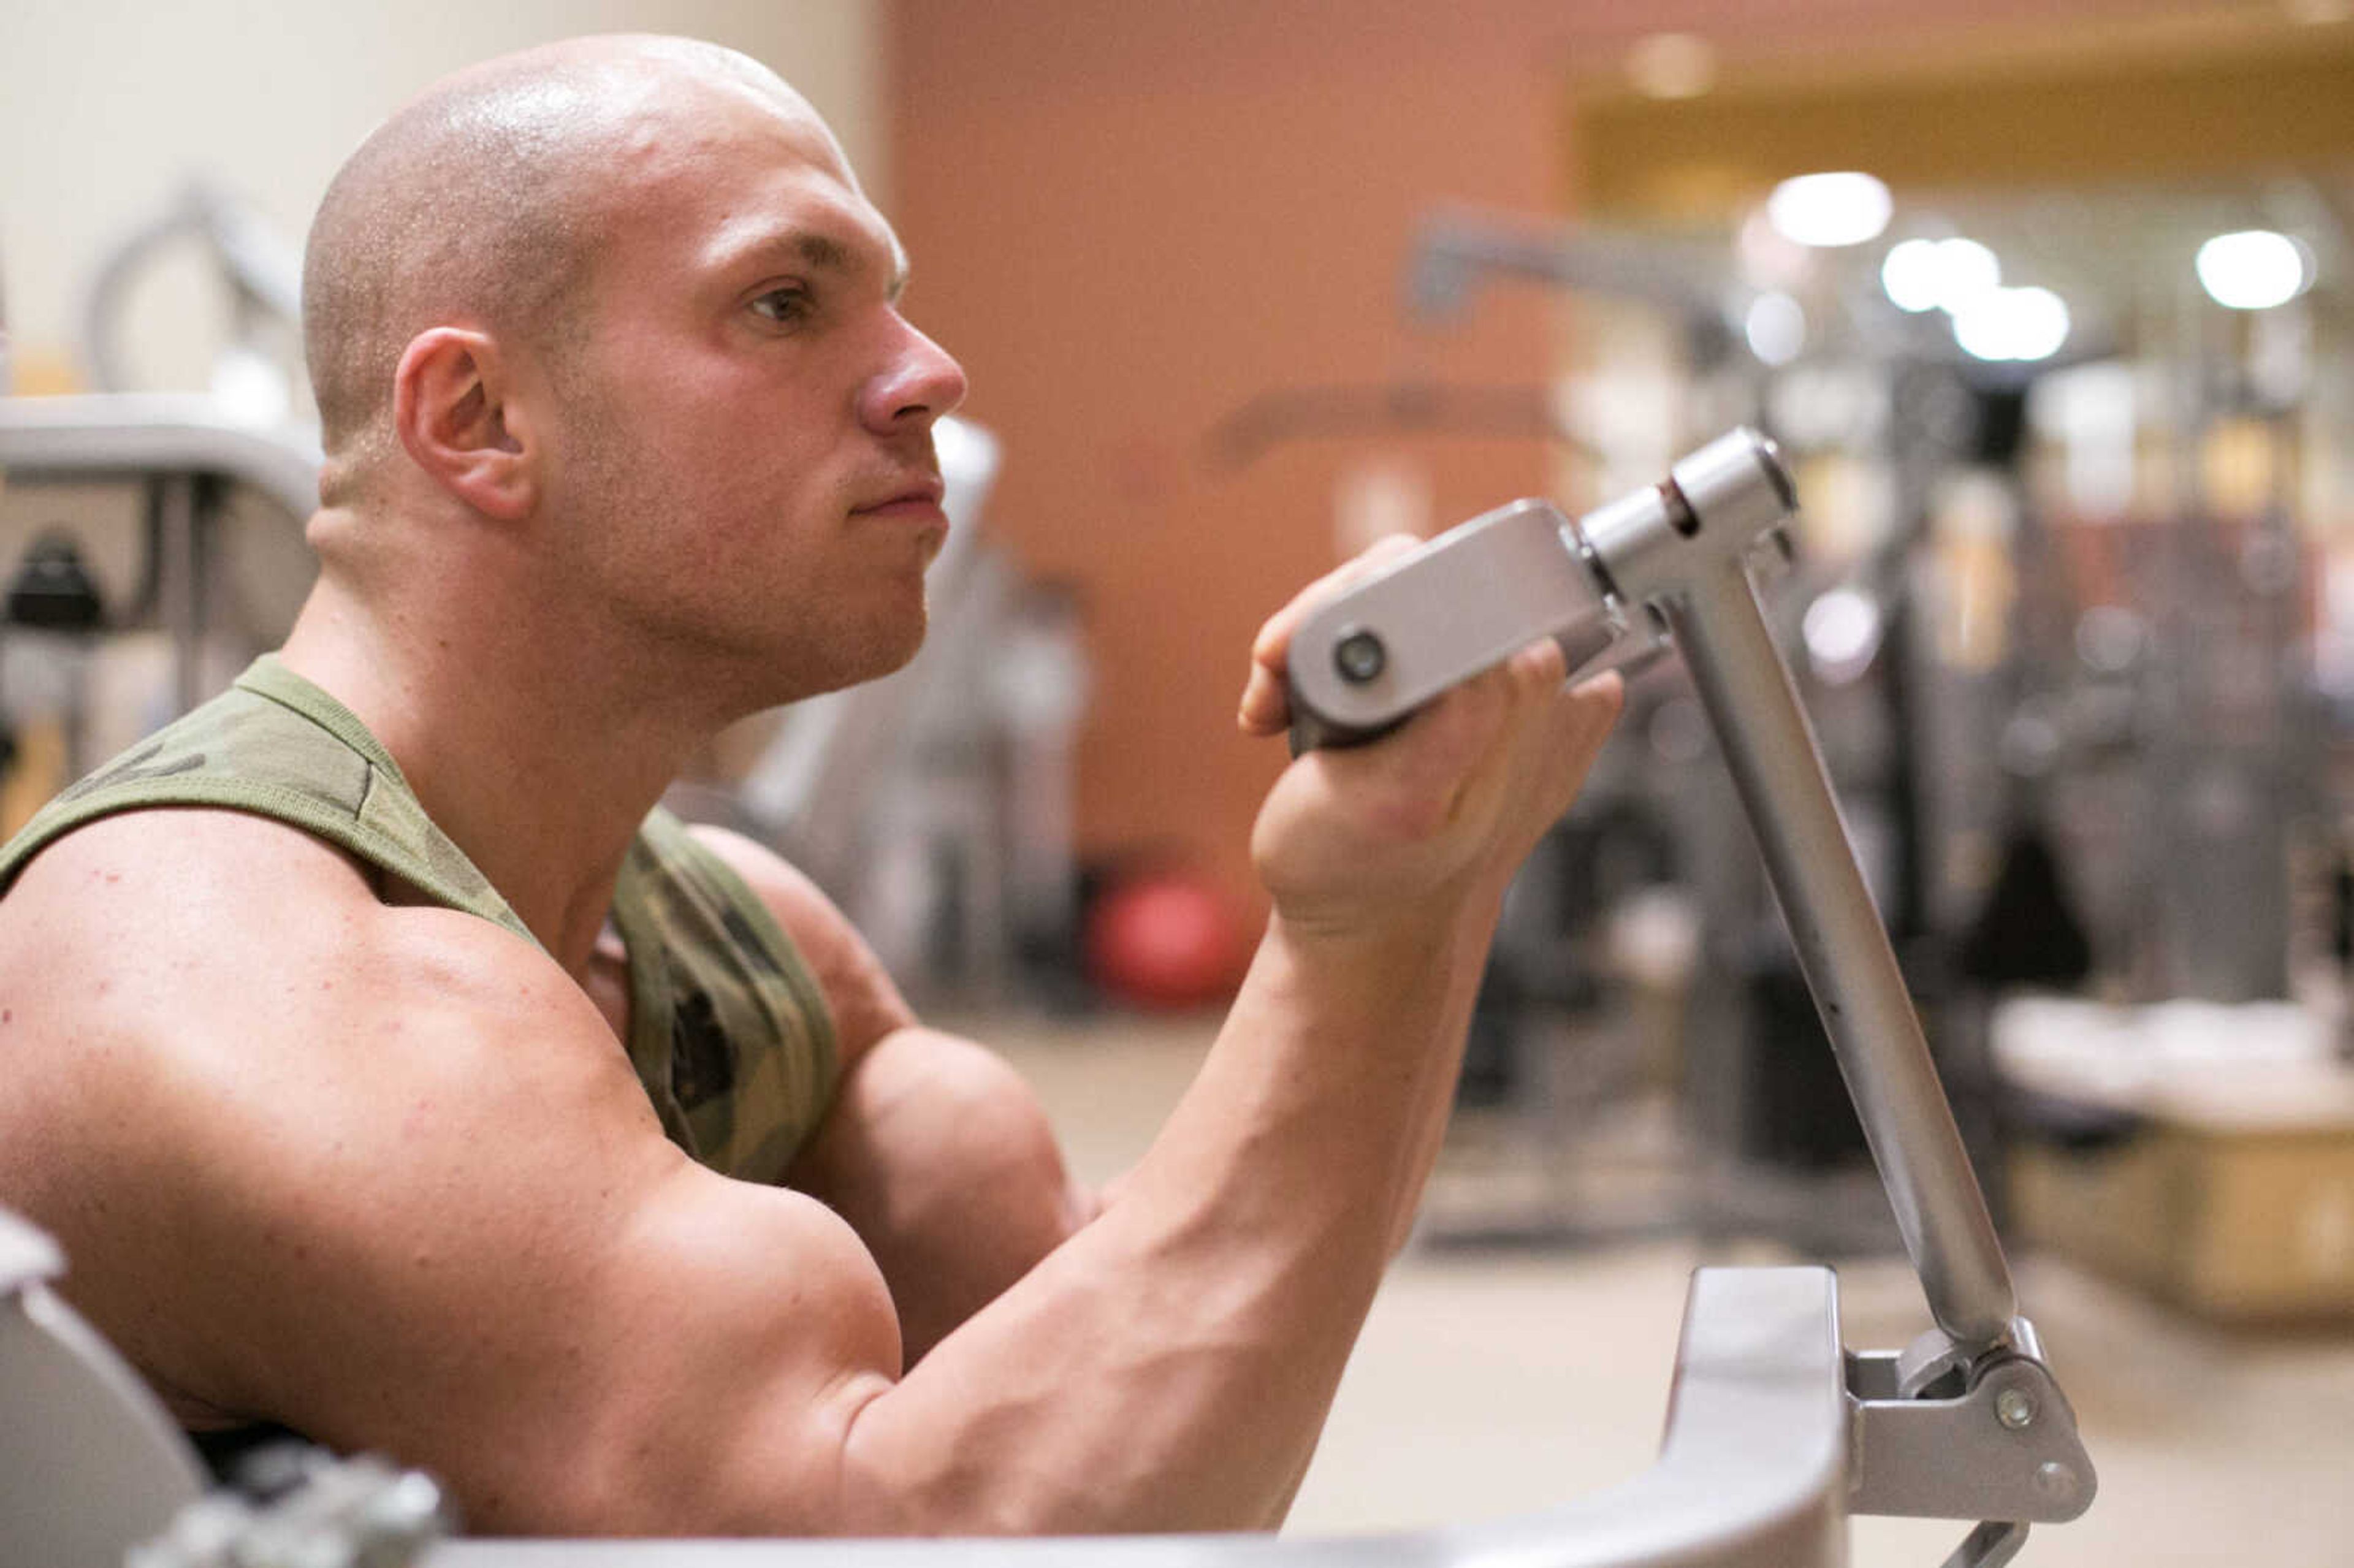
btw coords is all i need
(138, 435)
(1679, 554)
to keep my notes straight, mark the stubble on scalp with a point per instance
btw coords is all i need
(479, 204)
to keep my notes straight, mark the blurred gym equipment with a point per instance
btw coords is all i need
(133, 509)
(2059, 622)
(256, 370)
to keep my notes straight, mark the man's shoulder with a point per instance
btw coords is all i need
(770, 877)
(150, 870)
(143, 883)
(860, 995)
(153, 957)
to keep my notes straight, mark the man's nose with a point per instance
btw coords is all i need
(922, 384)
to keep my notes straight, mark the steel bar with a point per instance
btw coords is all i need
(1844, 952)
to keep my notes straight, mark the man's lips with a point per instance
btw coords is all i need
(923, 494)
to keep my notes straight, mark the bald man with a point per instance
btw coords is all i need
(396, 1074)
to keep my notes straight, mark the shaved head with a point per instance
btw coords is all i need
(482, 203)
(609, 326)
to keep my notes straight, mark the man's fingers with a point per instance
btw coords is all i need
(1455, 800)
(1265, 707)
(1463, 749)
(1570, 739)
(1496, 712)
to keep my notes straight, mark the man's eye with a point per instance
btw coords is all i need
(784, 304)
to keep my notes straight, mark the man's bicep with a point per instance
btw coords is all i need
(695, 1377)
(942, 1159)
(933, 1149)
(486, 1260)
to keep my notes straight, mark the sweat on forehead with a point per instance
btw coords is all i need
(482, 201)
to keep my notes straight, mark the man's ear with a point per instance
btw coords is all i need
(453, 405)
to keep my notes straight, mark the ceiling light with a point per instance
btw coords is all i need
(1775, 327)
(1672, 64)
(1939, 274)
(2013, 324)
(1842, 630)
(1967, 273)
(2253, 270)
(1829, 210)
(1909, 275)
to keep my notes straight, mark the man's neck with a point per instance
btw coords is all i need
(521, 744)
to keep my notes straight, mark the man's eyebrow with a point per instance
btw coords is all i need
(823, 252)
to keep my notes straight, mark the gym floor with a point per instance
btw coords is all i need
(1496, 1382)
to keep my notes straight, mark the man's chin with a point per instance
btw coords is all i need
(899, 658)
(900, 650)
(882, 650)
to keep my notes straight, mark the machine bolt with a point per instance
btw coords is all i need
(2015, 1408)
(1360, 657)
(2055, 1481)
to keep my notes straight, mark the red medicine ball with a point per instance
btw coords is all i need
(1163, 939)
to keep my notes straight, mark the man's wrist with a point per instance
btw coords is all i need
(1404, 949)
(1464, 901)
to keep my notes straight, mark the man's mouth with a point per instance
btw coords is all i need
(918, 495)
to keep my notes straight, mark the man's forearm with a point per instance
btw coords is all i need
(1170, 1366)
(1463, 994)
(1468, 971)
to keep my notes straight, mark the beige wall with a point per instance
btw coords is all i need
(108, 106)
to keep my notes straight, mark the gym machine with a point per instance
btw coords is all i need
(1775, 1434)
(185, 450)
(1673, 563)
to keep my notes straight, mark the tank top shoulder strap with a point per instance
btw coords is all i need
(277, 745)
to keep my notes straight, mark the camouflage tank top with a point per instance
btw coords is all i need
(728, 1032)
